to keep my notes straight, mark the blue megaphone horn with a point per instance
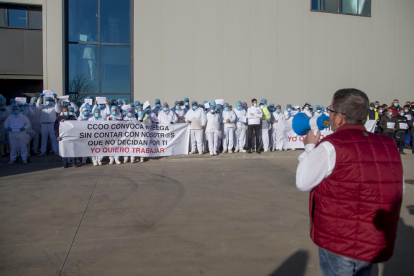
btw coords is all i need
(302, 123)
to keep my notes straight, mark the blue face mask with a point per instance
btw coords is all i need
(402, 113)
(289, 109)
(255, 105)
(239, 107)
(396, 105)
(85, 113)
(66, 113)
(376, 106)
(165, 109)
(114, 113)
(48, 103)
(97, 115)
(187, 104)
(72, 113)
(22, 108)
(380, 111)
(141, 114)
(102, 106)
(271, 109)
(226, 109)
(177, 107)
(147, 111)
(158, 105)
(390, 113)
(213, 111)
(195, 107)
(130, 114)
(16, 112)
(2, 108)
(307, 108)
(278, 111)
(319, 111)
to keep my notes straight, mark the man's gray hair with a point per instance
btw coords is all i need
(352, 103)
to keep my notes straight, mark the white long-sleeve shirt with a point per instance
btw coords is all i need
(19, 119)
(47, 112)
(232, 118)
(316, 164)
(255, 118)
(277, 117)
(167, 117)
(198, 115)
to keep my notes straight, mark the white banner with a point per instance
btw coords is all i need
(106, 138)
(286, 138)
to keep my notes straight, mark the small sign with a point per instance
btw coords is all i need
(89, 101)
(146, 104)
(220, 101)
(64, 99)
(207, 105)
(20, 100)
(101, 100)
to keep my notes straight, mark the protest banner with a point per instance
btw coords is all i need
(286, 138)
(106, 138)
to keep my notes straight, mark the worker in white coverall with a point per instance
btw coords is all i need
(277, 118)
(241, 128)
(115, 116)
(167, 116)
(229, 117)
(47, 122)
(197, 120)
(17, 124)
(213, 129)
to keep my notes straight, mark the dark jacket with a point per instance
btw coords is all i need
(57, 122)
(383, 124)
(402, 119)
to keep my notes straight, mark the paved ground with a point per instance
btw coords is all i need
(230, 215)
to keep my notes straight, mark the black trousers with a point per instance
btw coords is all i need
(400, 138)
(250, 130)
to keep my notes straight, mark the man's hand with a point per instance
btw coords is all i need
(59, 139)
(189, 122)
(202, 127)
(276, 121)
(252, 114)
(62, 120)
(311, 138)
(228, 121)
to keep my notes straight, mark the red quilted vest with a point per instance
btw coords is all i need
(354, 211)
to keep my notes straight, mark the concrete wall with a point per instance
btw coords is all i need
(274, 49)
(52, 34)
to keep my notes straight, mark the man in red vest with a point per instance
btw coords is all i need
(356, 184)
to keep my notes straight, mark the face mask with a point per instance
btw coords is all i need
(195, 107)
(319, 111)
(371, 108)
(255, 105)
(376, 106)
(402, 113)
(289, 109)
(187, 104)
(130, 114)
(72, 113)
(226, 109)
(239, 107)
(85, 113)
(22, 109)
(66, 113)
(396, 105)
(278, 111)
(48, 103)
(102, 106)
(165, 109)
(406, 110)
(15, 112)
(158, 105)
(177, 107)
(147, 111)
(380, 111)
(212, 111)
(2, 108)
(307, 108)
(97, 115)
(140, 113)
(390, 113)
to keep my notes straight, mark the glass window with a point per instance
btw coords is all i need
(83, 68)
(83, 20)
(115, 21)
(316, 5)
(110, 97)
(115, 69)
(35, 19)
(349, 6)
(364, 7)
(3, 17)
(17, 18)
(331, 6)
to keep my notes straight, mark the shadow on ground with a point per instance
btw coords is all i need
(295, 265)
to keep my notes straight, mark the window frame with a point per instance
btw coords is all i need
(26, 8)
(340, 2)
(66, 44)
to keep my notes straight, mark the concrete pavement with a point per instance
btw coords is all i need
(229, 215)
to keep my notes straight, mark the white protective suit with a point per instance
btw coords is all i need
(213, 131)
(130, 119)
(181, 113)
(308, 112)
(96, 158)
(18, 139)
(228, 130)
(47, 122)
(35, 121)
(276, 120)
(167, 117)
(241, 131)
(198, 120)
(114, 158)
(72, 104)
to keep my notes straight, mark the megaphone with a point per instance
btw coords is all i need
(302, 123)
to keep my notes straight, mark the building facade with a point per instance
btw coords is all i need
(292, 51)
